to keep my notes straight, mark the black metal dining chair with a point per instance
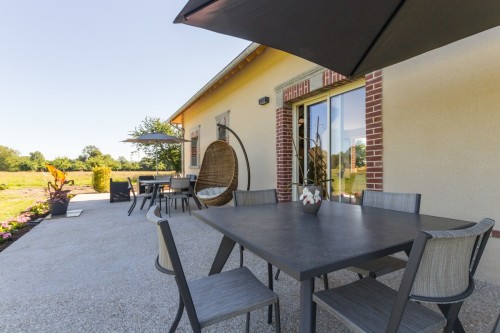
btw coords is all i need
(178, 190)
(402, 202)
(214, 298)
(440, 270)
(145, 196)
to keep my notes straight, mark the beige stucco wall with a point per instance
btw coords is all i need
(254, 124)
(441, 119)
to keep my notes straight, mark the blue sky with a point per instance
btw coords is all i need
(78, 73)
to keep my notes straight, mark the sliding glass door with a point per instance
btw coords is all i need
(330, 144)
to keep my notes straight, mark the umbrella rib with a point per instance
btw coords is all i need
(374, 41)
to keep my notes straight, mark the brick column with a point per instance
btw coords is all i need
(374, 133)
(284, 152)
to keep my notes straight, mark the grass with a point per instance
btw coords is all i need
(26, 188)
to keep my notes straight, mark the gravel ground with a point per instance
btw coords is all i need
(95, 273)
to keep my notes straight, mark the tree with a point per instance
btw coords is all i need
(62, 163)
(9, 159)
(89, 152)
(169, 155)
(38, 160)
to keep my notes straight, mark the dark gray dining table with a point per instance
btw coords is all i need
(305, 246)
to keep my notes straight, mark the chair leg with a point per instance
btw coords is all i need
(271, 286)
(241, 255)
(178, 316)
(132, 206)
(247, 326)
(143, 202)
(278, 271)
(450, 311)
(325, 281)
(360, 276)
(277, 316)
(188, 206)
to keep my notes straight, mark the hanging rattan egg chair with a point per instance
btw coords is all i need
(218, 176)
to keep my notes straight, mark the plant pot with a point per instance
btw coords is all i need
(311, 199)
(58, 207)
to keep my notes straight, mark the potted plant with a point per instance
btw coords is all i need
(58, 198)
(313, 178)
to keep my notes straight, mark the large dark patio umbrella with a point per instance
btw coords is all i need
(351, 37)
(156, 139)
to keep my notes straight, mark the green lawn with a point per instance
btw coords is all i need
(26, 188)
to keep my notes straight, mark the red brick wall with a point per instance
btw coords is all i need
(284, 153)
(331, 77)
(296, 90)
(374, 143)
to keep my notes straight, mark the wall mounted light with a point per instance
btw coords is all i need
(263, 100)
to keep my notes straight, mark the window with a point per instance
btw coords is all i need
(222, 133)
(194, 160)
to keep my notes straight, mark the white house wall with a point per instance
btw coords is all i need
(441, 123)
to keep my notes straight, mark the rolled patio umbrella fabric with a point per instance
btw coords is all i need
(350, 37)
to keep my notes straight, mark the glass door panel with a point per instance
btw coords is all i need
(316, 154)
(348, 145)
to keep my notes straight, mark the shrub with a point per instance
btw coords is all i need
(40, 208)
(100, 179)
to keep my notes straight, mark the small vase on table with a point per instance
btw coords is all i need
(311, 199)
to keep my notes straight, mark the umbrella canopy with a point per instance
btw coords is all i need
(156, 139)
(351, 37)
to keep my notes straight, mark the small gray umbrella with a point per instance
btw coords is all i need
(156, 139)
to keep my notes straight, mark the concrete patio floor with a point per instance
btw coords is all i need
(96, 273)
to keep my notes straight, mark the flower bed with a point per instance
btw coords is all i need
(14, 226)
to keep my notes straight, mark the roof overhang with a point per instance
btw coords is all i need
(245, 57)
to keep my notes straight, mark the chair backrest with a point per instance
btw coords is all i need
(163, 263)
(449, 260)
(258, 197)
(131, 187)
(403, 202)
(166, 178)
(180, 277)
(441, 266)
(179, 183)
(142, 188)
(191, 177)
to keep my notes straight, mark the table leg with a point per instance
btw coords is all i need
(153, 196)
(195, 198)
(307, 310)
(225, 248)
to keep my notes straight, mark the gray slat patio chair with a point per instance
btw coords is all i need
(144, 196)
(162, 263)
(217, 297)
(257, 197)
(402, 202)
(440, 270)
(178, 187)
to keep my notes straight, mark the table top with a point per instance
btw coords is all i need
(305, 246)
(155, 181)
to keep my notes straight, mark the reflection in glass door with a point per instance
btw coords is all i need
(316, 155)
(348, 146)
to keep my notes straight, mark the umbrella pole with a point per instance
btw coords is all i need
(156, 158)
